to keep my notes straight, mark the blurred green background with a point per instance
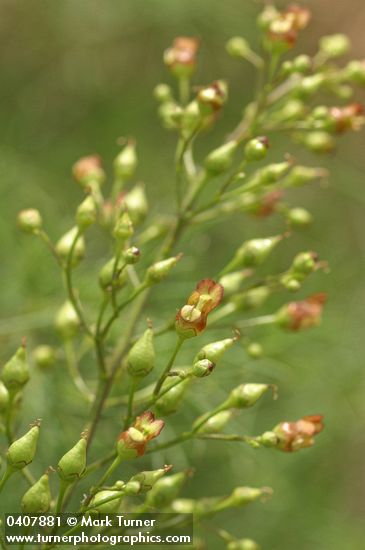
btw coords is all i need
(76, 74)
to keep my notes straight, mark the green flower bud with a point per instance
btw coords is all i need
(4, 397)
(302, 64)
(162, 93)
(21, 452)
(191, 116)
(86, 213)
(123, 228)
(106, 275)
(267, 16)
(254, 350)
(355, 72)
(170, 114)
(125, 163)
(166, 490)
(334, 45)
(148, 479)
(246, 395)
(71, 466)
(301, 175)
(319, 142)
(299, 217)
(202, 368)
(252, 298)
(67, 321)
(15, 373)
(44, 356)
(88, 171)
(220, 160)
(216, 423)
(29, 220)
(132, 488)
(160, 270)
(171, 401)
(268, 439)
(292, 110)
(212, 97)
(214, 351)
(252, 253)
(241, 496)
(310, 85)
(256, 149)
(65, 244)
(232, 281)
(243, 544)
(183, 506)
(141, 357)
(97, 505)
(132, 255)
(238, 47)
(136, 202)
(37, 499)
(304, 263)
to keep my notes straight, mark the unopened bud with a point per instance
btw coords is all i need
(299, 217)
(303, 314)
(181, 58)
(29, 220)
(220, 160)
(141, 357)
(301, 175)
(67, 321)
(334, 45)
(211, 98)
(319, 142)
(252, 253)
(202, 368)
(252, 298)
(123, 228)
(302, 64)
(232, 281)
(67, 243)
(216, 423)
(97, 503)
(72, 465)
(86, 213)
(15, 373)
(132, 255)
(310, 85)
(125, 163)
(256, 149)
(170, 401)
(37, 499)
(237, 47)
(246, 395)
(160, 270)
(184, 506)
(162, 93)
(254, 350)
(22, 451)
(88, 170)
(148, 479)
(355, 71)
(166, 490)
(136, 202)
(44, 356)
(4, 397)
(304, 263)
(214, 351)
(243, 544)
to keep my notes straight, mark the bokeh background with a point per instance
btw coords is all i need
(75, 76)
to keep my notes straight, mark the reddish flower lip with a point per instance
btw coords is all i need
(192, 318)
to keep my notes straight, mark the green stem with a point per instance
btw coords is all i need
(204, 419)
(7, 474)
(184, 89)
(8, 417)
(256, 321)
(43, 235)
(121, 306)
(169, 365)
(116, 462)
(74, 371)
(61, 495)
(132, 389)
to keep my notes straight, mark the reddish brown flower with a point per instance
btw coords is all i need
(303, 314)
(299, 16)
(213, 96)
(285, 27)
(181, 57)
(133, 442)
(350, 117)
(192, 318)
(88, 169)
(293, 436)
(266, 205)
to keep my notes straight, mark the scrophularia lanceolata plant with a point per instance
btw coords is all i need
(308, 99)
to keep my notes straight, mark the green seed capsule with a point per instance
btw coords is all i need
(299, 217)
(106, 275)
(22, 451)
(29, 220)
(252, 298)
(202, 368)
(334, 45)
(232, 281)
(246, 395)
(67, 321)
(216, 423)
(319, 142)
(256, 149)
(72, 465)
(220, 160)
(148, 479)
(132, 255)
(137, 205)
(254, 350)
(97, 505)
(141, 358)
(4, 397)
(65, 244)
(44, 356)
(86, 213)
(37, 499)
(170, 401)
(166, 490)
(123, 228)
(160, 270)
(243, 544)
(237, 47)
(252, 253)
(15, 373)
(125, 163)
(214, 351)
(163, 93)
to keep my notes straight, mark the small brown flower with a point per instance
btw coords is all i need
(299, 16)
(133, 441)
(303, 314)
(88, 169)
(285, 27)
(213, 96)
(293, 436)
(350, 117)
(181, 57)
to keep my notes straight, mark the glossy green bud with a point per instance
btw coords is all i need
(29, 220)
(319, 142)
(66, 243)
(166, 490)
(241, 496)
(220, 160)
(299, 217)
(252, 253)
(171, 114)
(268, 439)
(136, 202)
(15, 373)
(273, 172)
(162, 92)
(246, 395)
(72, 465)
(132, 255)
(44, 356)
(86, 213)
(214, 351)
(232, 281)
(160, 270)
(302, 64)
(191, 117)
(183, 506)
(304, 263)
(37, 500)
(254, 350)
(202, 368)
(21, 452)
(237, 47)
(4, 397)
(125, 163)
(148, 479)
(97, 503)
(171, 401)
(334, 45)
(141, 357)
(355, 72)
(243, 544)
(252, 298)
(106, 275)
(123, 228)
(310, 85)
(67, 321)
(216, 423)
(256, 149)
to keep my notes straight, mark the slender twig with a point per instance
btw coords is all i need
(168, 367)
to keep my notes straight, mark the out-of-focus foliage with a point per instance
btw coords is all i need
(75, 74)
